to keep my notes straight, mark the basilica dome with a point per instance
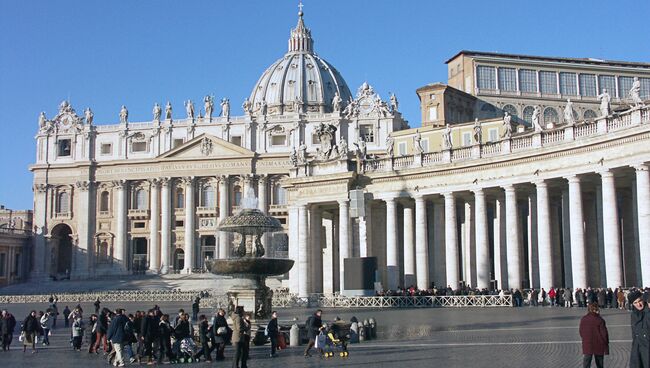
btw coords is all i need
(300, 80)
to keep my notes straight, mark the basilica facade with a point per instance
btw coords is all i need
(497, 202)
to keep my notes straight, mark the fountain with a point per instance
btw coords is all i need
(248, 267)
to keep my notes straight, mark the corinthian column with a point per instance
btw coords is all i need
(392, 255)
(409, 248)
(421, 243)
(154, 257)
(121, 236)
(544, 245)
(303, 252)
(643, 213)
(223, 212)
(482, 244)
(40, 223)
(166, 224)
(451, 240)
(344, 239)
(611, 234)
(85, 219)
(576, 226)
(513, 238)
(189, 224)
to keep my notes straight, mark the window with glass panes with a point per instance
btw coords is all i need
(624, 85)
(548, 82)
(645, 88)
(485, 77)
(528, 114)
(607, 82)
(587, 85)
(527, 80)
(550, 115)
(507, 79)
(568, 84)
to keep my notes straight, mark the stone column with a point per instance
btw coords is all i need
(247, 182)
(643, 215)
(121, 235)
(451, 240)
(392, 253)
(85, 219)
(576, 218)
(482, 243)
(344, 239)
(294, 234)
(611, 234)
(421, 243)
(513, 245)
(166, 224)
(499, 230)
(303, 252)
(544, 245)
(40, 224)
(224, 248)
(262, 197)
(409, 248)
(189, 224)
(154, 217)
(316, 249)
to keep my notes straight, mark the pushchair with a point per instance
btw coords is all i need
(187, 350)
(328, 342)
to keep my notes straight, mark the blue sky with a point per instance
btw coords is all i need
(104, 54)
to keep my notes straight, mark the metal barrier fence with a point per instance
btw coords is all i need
(108, 296)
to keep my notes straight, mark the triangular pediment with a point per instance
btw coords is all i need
(206, 146)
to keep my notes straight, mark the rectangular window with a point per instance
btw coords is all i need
(507, 79)
(587, 85)
(607, 82)
(548, 82)
(106, 149)
(65, 147)
(314, 139)
(433, 113)
(177, 142)
(3, 268)
(139, 147)
(486, 77)
(236, 140)
(278, 140)
(493, 134)
(624, 86)
(425, 145)
(527, 80)
(467, 139)
(401, 149)
(138, 225)
(367, 133)
(645, 88)
(568, 85)
(179, 223)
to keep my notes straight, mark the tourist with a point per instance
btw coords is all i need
(620, 296)
(551, 296)
(181, 331)
(129, 339)
(149, 334)
(47, 321)
(568, 298)
(7, 326)
(77, 333)
(313, 325)
(195, 308)
(272, 332)
(205, 350)
(53, 309)
(595, 340)
(221, 332)
(66, 314)
(30, 329)
(101, 328)
(165, 332)
(241, 330)
(116, 336)
(181, 312)
(97, 305)
(138, 319)
(92, 336)
(640, 321)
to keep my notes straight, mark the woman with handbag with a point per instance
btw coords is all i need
(220, 330)
(29, 331)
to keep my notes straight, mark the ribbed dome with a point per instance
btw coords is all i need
(299, 79)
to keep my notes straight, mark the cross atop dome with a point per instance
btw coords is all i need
(300, 40)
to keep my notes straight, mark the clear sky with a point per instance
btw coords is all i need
(104, 54)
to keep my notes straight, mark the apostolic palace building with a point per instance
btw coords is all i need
(527, 171)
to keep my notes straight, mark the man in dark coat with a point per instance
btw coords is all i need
(7, 326)
(149, 333)
(220, 331)
(165, 332)
(272, 331)
(640, 320)
(314, 323)
(204, 331)
(31, 326)
(595, 340)
(117, 335)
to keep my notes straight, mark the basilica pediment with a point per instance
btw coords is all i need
(205, 146)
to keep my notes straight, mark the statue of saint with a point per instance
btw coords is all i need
(390, 143)
(417, 143)
(537, 114)
(297, 105)
(336, 102)
(351, 110)
(478, 133)
(302, 153)
(189, 108)
(263, 106)
(42, 120)
(208, 105)
(635, 92)
(293, 157)
(247, 106)
(362, 149)
(124, 115)
(88, 114)
(168, 111)
(446, 138)
(343, 148)
(394, 104)
(157, 112)
(225, 108)
(507, 125)
(605, 99)
(568, 113)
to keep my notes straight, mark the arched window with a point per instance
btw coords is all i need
(510, 109)
(236, 195)
(528, 114)
(141, 199)
(590, 115)
(279, 194)
(63, 203)
(180, 198)
(550, 115)
(103, 201)
(208, 197)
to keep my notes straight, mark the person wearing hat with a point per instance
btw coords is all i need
(595, 339)
(640, 321)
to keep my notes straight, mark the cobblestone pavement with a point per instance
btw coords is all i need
(504, 337)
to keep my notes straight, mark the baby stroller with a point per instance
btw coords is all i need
(331, 343)
(187, 350)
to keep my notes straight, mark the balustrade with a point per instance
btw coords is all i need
(461, 153)
(553, 136)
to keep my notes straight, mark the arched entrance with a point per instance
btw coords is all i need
(61, 250)
(179, 259)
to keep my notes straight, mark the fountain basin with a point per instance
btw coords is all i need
(249, 266)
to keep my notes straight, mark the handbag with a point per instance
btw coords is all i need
(21, 337)
(222, 330)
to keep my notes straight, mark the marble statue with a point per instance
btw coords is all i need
(507, 125)
(263, 106)
(302, 153)
(168, 111)
(390, 143)
(537, 114)
(157, 112)
(635, 92)
(382, 107)
(189, 108)
(568, 113)
(361, 149)
(336, 102)
(208, 106)
(124, 115)
(326, 134)
(446, 138)
(605, 99)
(247, 106)
(42, 120)
(297, 105)
(88, 114)
(352, 109)
(293, 157)
(394, 104)
(343, 148)
(225, 108)
(478, 131)
(417, 143)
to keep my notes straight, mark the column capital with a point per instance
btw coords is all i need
(540, 183)
(248, 178)
(223, 179)
(40, 187)
(479, 191)
(164, 181)
(640, 167)
(344, 202)
(188, 180)
(153, 182)
(509, 188)
(449, 195)
(573, 178)
(120, 184)
(262, 178)
(83, 185)
(605, 173)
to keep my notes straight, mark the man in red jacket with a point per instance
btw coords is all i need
(595, 340)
